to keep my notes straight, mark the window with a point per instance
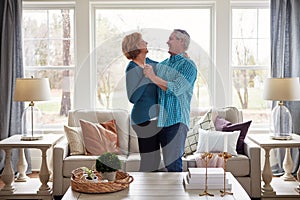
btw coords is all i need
(48, 36)
(111, 28)
(250, 61)
(99, 66)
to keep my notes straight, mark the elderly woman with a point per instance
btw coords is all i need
(142, 93)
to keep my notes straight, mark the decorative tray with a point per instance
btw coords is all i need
(79, 184)
(283, 137)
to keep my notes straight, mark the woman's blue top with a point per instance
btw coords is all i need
(141, 92)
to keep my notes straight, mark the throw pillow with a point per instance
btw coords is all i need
(111, 126)
(97, 139)
(75, 140)
(243, 128)
(192, 137)
(191, 142)
(206, 122)
(217, 141)
(220, 122)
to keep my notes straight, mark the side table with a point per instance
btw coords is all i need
(267, 143)
(10, 189)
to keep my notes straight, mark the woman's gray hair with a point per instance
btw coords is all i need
(182, 34)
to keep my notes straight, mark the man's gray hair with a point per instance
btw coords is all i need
(182, 34)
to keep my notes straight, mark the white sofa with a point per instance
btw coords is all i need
(246, 168)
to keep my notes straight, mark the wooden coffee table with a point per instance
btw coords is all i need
(162, 185)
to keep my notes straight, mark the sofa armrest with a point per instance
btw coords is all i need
(60, 152)
(253, 152)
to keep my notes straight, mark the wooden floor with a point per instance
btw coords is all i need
(33, 175)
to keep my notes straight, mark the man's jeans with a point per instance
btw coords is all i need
(172, 140)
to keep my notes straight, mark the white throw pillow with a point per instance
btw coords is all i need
(215, 141)
(203, 122)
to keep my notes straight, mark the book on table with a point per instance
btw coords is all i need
(210, 186)
(196, 178)
(210, 180)
(201, 172)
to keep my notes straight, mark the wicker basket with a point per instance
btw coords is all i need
(81, 185)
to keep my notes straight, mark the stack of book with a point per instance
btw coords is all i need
(195, 179)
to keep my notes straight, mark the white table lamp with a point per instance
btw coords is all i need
(281, 89)
(31, 89)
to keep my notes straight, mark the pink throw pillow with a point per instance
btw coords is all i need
(97, 139)
(220, 123)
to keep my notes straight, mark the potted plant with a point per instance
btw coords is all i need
(89, 174)
(108, 164)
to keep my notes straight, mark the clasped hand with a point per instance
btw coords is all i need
(148, 71)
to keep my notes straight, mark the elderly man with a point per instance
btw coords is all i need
(175, 78)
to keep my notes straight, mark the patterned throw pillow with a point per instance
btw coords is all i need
(75, 140)
(204, 123)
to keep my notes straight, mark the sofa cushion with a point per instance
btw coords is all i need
(97, 139)
(238, 165)
(75, 140)
(97, 116)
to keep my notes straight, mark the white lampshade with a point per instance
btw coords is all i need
(282, 89)
(32, 89)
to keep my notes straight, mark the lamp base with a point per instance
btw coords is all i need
(31, 138)
(281, 123)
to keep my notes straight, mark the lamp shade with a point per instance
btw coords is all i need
(282, 89)
(32, 89)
